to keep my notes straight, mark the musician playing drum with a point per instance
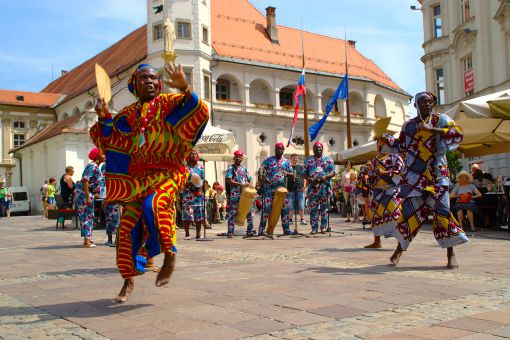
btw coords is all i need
(239, 178)
(275, 168)
(318, 171)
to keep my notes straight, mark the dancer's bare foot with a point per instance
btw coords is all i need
(452, 261)
(396, 255)
(127, 288)
(374, 246)
(150, 264)
(166, 270)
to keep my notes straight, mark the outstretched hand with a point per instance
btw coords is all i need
(101, 109)
(177, 76)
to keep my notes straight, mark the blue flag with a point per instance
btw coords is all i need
(342, 92)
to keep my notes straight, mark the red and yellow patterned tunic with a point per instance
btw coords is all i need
(145, 147)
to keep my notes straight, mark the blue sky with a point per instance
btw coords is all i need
(64, 33)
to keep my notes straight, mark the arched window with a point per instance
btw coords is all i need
(380, 106)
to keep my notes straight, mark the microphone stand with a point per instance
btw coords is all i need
(296, 194)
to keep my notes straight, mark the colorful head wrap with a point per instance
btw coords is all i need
(421, 95)
(239, 153)
(317, 144)
(279, 144)
(93, 154)
(132, 80)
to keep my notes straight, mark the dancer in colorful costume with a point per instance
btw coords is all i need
(384, 176)
(318, 171)
(111, 212)
(425, 139)
(275, 170)
(85, 191)
(238, 177)
(192, 199)
(145, 145)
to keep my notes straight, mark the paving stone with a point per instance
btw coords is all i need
(337, 311)
(502, 331)
(320, 288)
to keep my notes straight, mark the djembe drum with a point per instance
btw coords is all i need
(245, 202)
(276, 209)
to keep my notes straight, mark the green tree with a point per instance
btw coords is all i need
(454, 163)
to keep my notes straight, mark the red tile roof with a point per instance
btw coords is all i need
(238, 32)
(30, 99)
(121, 56)
(55, 129)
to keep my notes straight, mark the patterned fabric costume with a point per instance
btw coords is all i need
(193, 201)
(93, 175)
(238, 174)
(111, 211)
(272, 167)
(145, 150)
(318, 194)
(384, 209)
(424, 187)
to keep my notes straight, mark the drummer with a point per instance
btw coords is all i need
(275, 170)
(238, 178)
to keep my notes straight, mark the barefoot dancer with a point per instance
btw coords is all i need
(146, 144)
(384, 208)
(426, 139)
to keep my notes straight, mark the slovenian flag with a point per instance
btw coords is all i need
(342, 92)
(300, 90)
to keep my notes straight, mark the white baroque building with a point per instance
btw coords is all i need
(466, 55)
(246, 68)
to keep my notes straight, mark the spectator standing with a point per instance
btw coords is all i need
(346, 184)
(50, 197)
(3, 195)
(8, 203)
(296, 187)
(43, 192)
(221, 202)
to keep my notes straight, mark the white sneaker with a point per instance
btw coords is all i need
(505, 227)
(303, 222)
(187, 238)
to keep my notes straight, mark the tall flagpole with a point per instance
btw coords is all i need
(348, 110)
(305, 110)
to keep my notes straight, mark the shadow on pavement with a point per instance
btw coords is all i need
(58, 246)
(370, 270)
(352, 250)
(88, 309)
(88, 271)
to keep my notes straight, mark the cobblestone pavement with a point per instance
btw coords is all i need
(322, 287)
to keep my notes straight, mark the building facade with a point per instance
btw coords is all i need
(246, 67)
(466, 55)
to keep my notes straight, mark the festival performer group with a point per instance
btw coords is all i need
(150, 161)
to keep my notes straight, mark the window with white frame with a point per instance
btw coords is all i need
(223, 89)
(436, 21)
(183, 29)
(188, 72)
(466, 13)
(286, 97)
(18, 124)
(18, 139)
(205, 35)
(439, 80)
(207, 86)
(157, 31)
